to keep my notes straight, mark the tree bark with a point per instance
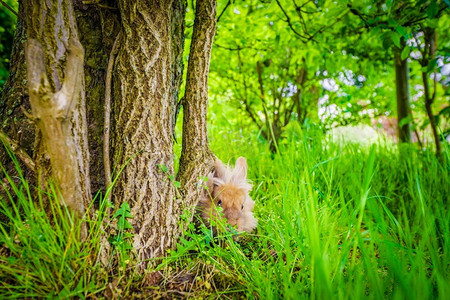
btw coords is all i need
(430, 53)
(146, 78)
(55, 77)
(402, 90)
(197, 159)
(149, 73)
(97, 28)
(14, 99)
(269, 125)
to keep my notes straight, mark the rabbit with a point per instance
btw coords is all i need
(228, 188)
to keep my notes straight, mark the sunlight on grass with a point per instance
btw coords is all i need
(335, 221)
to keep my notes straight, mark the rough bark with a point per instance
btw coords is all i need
(14, 99)
(196, 157)
(55, 77)
(402, 90)
(97, 28)
(147, 80)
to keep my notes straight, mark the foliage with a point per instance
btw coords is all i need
(123, 240)
(7, 26)
(40, 251)
(266, 74)
(345, 47)
(335, 221)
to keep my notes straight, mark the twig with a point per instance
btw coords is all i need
(9, 8)
(238, 48)
(106, 133)
(288, 20)
(19, 151)
(224, 9)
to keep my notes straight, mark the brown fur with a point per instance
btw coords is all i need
(229, 189)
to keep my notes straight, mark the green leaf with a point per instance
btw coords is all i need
(425, 123)
(375, 31)
(124, 210)
(431, 65)
(277, 39)
(386, 40)
(163, 168)
(177, 184)
(203, 178)
(432, 9)
(401, 30)
(392, 22)
(11, 260)
(445, 111)
(127, 225)
(405, 121)
(405, 53)
(395, 38)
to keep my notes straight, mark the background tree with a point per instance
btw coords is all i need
(268, 73)
(397, 23)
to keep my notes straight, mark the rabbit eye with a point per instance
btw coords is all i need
(242, 207)
(219, 202)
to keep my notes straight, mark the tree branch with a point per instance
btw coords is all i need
(288, 20)
(106, 133)
(223, 11)
(9, 8)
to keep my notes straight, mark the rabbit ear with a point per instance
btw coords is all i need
(220, 170)
(240, 169)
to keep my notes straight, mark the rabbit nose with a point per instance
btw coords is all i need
(232, 221)
(233, 217)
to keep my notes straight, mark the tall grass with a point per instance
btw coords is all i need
(335, 221)
(41, 254)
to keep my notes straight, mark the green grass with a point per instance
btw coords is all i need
(335, 221)
(40, 253)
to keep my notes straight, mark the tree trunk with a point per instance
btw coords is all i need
(428, 103)
(196, 157)
(402, 89)
(98, 28)
(55, 76)
(149, 73)
(146, 81)
(430, 53)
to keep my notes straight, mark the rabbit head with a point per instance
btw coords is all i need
(228, 188)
